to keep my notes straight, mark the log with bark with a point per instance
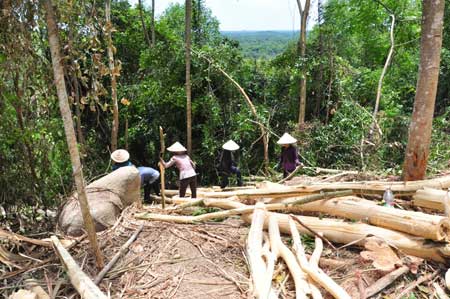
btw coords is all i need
(428, 226)
(80, 281)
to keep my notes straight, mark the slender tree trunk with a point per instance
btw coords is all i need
(153, 23)
(380, 81)
(319, 94)
(419, 139)
(302, 53)
(81, 140)
(188, 13)
(28, 145)
(66, 115)
(113, 73)
(144, 28)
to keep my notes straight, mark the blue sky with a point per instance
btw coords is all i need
(249, 14)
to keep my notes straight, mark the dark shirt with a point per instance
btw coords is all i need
(289, 158)
(226, 161)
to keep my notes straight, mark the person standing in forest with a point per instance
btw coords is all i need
(227, 164)
(149, 176)
(289, 156)
(188, 176)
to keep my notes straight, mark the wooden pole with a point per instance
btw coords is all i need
(161, 167)
(116, 257)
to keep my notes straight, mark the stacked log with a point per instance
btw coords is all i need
(432, 227)
(429, 198)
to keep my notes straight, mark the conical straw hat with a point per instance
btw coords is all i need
(230, 145)
(120, 156)
(176, 147)
(287, 139)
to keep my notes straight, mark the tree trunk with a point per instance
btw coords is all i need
(113, 73)
(302, 52)
(153, 23)
(419, 139)
(188, 12)
(319, 93)
(66, 115)
(144, 28)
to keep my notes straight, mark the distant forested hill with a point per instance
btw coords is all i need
(262, 44)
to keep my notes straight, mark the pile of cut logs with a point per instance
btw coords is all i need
(278, 208)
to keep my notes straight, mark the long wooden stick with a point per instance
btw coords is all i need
(116, 257)
(314, 272)
(162, 169)
(386, 280)
(302, 287)
(81, 282)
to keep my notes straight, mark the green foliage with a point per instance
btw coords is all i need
(262, 44)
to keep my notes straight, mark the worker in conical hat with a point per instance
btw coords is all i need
(149, 176)
(289, 155)
(188, 176)
(228, 165)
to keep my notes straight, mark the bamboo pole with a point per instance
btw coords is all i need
(81, 282)
(162, 169)
(428, 226)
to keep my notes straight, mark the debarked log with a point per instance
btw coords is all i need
(81, 282)
(428, 226)
(430, 198)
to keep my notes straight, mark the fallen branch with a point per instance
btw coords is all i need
(386, 280)
(238, 211)
(302, 287)
(291, 175)
(407, 290)
(312, 270)
(81, 282)
(257, 266)
(13, 237)
(116, 257)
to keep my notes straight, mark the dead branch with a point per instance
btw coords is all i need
(407, 290)
(81, 282)
(116, 257)
(386, 280)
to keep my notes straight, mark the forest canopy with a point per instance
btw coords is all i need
(346, 52)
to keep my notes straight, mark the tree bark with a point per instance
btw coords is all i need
(319, 94)
(302, 52)
(144, 28)
(113, 73)
(188, 17)
(66, 115)
(419, 139)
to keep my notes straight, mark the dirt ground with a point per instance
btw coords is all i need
(199, 261)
